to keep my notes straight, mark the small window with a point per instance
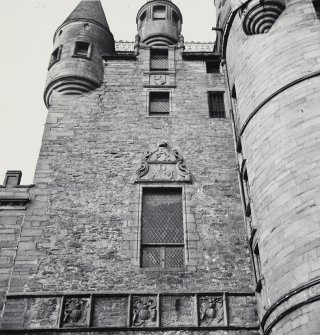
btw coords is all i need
(175, 16)
(82, 49)
(159, 103)
(216, 105)
(316, 5)
(159, 60)
(55, 56)
(143, 16)
(162, 240)
(213, 67)
(257, 266)
(159, 12)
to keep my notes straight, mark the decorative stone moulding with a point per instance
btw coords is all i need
(130, 312)
(163, 165)
(259, 17)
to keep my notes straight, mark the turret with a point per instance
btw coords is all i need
(159, 23)
(76, 64)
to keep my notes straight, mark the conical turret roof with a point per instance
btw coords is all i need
(88, 10)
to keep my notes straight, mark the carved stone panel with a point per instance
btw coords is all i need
(211, 311)
(110, 312)
(159, 80)
(42, 313)
(76, 312)
(242, 310)
(163, 165)
(178, 311)
(144, 311)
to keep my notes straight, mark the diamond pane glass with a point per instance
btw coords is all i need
(151, 257)
(159, 103)
(174, 257)
(216, 105)
(159, 60)
(162, 219)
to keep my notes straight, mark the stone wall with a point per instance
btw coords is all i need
(86, 204)
(276, 77)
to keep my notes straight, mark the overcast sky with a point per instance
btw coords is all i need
(27, 28)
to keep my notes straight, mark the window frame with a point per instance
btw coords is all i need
(159, 51)
(58, 57)
(89, 50)
(210, 104)
(185, 231)
(158, 114)
(158, 18)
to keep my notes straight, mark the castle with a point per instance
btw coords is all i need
(176, 191)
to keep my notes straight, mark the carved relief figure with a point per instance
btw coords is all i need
(144, 311)
(76, 311)
(211, 310)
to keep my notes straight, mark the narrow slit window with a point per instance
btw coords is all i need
(162, 240)
(159, 12)
(213, 67)
(159, 60)
(159, 103)
(55, 56)
(257, 264)
(82, 49)
(216, 105)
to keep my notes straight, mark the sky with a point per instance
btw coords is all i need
(27, 28)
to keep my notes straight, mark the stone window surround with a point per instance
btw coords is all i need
(55, 56)
(165, 12)
(222, 91)
(256, 261)
(77, 55)
(148, 101)
(191, 237)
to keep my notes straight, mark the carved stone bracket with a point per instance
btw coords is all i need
(163, 165)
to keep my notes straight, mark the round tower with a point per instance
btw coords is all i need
(272, 52)
(76, 64)
(159, 23)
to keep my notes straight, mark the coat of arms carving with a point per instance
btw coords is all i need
(163, 165)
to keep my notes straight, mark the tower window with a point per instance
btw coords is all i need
(175, 16)
(159, 60)
(213, 67)
(316, 5)
(216, 105)
(162, 240)
(159, 103)
(143, 16)
(55, 56)
(159, 12)
(257, 265)
(82, 49)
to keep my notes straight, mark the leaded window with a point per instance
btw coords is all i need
(162, 240)
(216, 105)
(159, 60)
(159, 103)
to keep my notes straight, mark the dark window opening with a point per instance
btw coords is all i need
(216, 105)
(159, 103)
(257, 265)
(316, 5)
(143, 16)
(55, 56)
(162, 240)
(159, 12)
(159, 60)
(213, 67)
(82, 49)
(175, 16)
(245, 189)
